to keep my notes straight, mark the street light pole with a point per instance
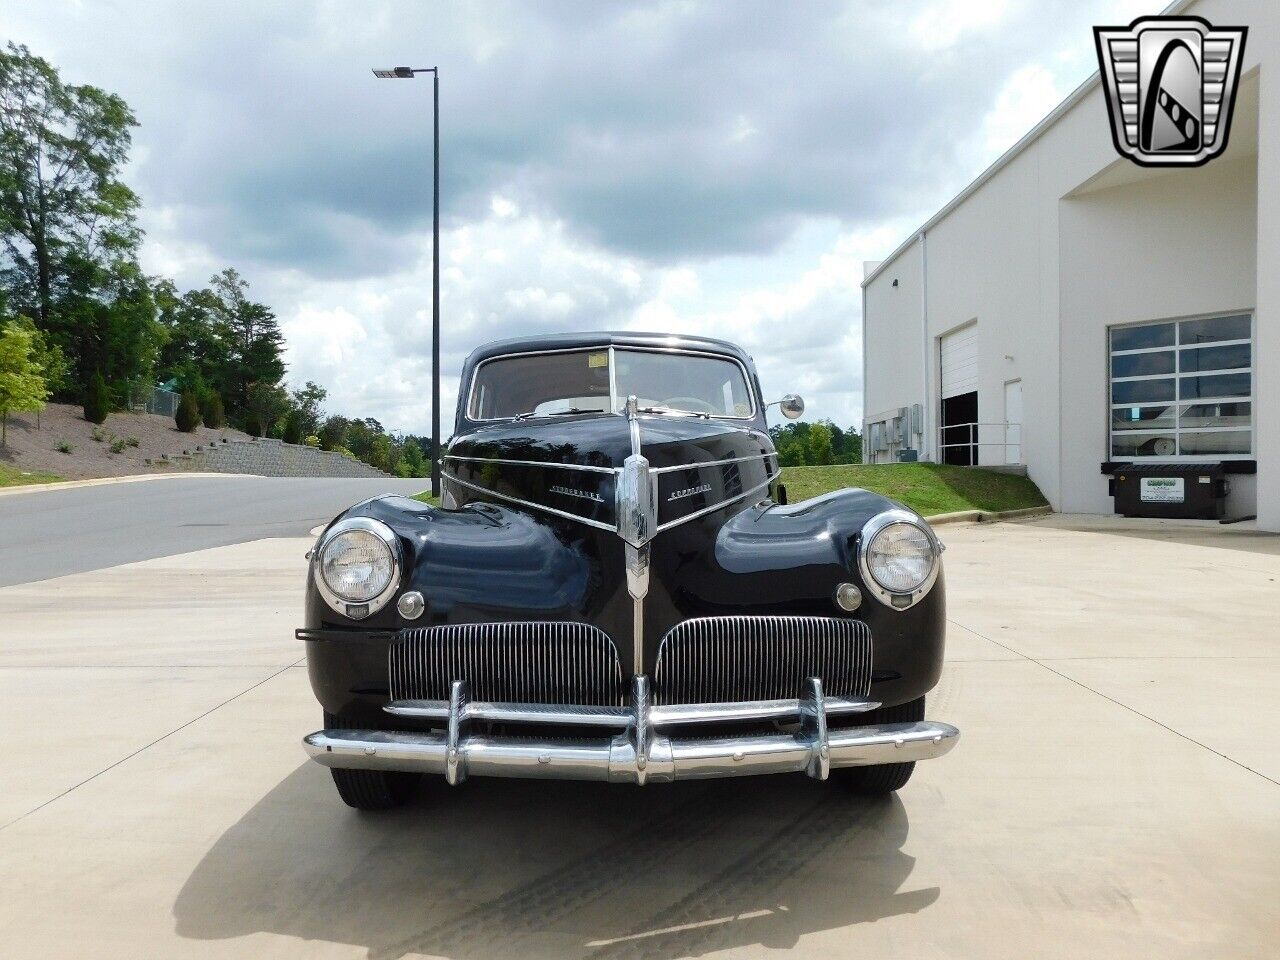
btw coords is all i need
(407, 73)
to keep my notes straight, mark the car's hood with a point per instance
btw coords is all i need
(602, 440)
(725, 461)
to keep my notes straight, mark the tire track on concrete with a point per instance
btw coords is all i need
(699, 922)
(497, 925)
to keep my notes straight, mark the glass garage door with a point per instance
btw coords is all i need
(1182, 389)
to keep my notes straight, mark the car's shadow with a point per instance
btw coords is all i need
(536, 869)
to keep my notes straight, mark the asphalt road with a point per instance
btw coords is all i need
(56, 532)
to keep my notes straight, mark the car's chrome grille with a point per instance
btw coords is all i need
(535, 662)
(730, 659)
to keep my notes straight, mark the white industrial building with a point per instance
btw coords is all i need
(1081, 309)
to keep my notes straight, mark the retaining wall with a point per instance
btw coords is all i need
(267, 458)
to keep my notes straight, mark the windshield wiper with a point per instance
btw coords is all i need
(672, 411)
(553, 413)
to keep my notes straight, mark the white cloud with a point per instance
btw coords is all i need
(605, 165)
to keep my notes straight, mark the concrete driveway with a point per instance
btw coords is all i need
(1115, 793)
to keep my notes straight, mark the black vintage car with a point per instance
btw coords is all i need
(616, 588)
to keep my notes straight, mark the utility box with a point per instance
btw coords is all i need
(908, 456)
(1189, 491)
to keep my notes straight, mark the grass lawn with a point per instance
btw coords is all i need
(927, 488)
(13, 477)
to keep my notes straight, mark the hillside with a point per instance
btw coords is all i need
(35, 451)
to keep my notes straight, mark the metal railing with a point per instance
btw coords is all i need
(144, 398)
(1005, 428)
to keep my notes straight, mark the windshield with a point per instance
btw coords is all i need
(599, 381)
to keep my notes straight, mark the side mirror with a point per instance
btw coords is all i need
(791, 406)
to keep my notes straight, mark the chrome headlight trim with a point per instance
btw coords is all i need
(870, 530)
(351, 609)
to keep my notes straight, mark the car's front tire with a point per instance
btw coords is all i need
(369, 789)
(878, 780)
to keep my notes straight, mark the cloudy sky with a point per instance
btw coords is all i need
(716, 167)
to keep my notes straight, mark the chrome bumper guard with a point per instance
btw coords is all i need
(639, 752)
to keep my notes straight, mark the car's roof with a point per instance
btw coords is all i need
(605, 338)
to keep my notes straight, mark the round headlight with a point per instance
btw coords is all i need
(357, 567)
(899, 558)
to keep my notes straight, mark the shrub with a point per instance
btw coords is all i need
(96, 403)
(212, 411)
(131, 441)
(188, 415)
(99, 434)
(64, 447)
(292, 432)
(312, 441)
(118, 445)
(252, 425)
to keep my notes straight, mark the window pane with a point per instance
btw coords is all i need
(1211, 358)
(1232, 441)
(1230, 414)
(1142, 364)
(1214, 328)
(541, 383)
(1143, 445)
(1224, 385)
(1142, 391)
(1136, 338)
(1142, 418)
(682, 382)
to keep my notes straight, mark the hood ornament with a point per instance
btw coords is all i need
(637, 511)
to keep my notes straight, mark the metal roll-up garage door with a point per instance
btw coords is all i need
(960, 362)
(958, 415)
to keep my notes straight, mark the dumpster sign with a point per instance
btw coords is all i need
(1162, 490)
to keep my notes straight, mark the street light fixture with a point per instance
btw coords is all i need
(407, 73)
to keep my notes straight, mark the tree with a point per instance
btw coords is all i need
(333, 433)
(67, 220)
(211, 411)
(255, 343)
(307, 401)
(196, 346)
(412, 462)
(48, 357)
(188, 415)
(293, 432)
(819, 445)
(97, 402)
(21, 384)
(265, 403)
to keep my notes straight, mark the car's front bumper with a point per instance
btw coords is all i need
(639, 752)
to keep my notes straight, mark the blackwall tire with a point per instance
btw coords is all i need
(876, 781)
(369, 789)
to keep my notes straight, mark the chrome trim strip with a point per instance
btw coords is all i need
(717, 506)
(713, 463)
(525, 713)
(598, 524)
(535, 463)
(676, 714)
